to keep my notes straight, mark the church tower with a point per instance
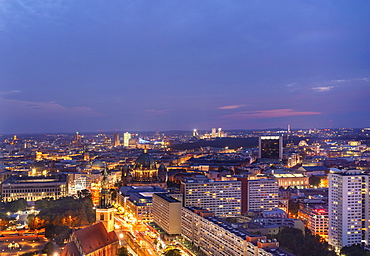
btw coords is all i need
(105, 211)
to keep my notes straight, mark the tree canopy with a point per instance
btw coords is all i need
(67, 211)
(17, 205)
(295, 241)
(354, 250)
(122, 251)
(170, 251)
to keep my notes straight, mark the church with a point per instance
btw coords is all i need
(100, 238)
(144, 173)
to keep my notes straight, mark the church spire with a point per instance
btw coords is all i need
(105, 196)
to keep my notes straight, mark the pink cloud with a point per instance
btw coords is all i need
(269, 114)
(231, 107)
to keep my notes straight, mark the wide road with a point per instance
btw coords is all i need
(27, 244)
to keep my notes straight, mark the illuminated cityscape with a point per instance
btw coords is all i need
(153, 195)
(184, 128)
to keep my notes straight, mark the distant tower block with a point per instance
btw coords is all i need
(213, 134)
(126, 139)
(219, 132)
(195, 133)
(288, 128)
(271, 147)
(116, 141)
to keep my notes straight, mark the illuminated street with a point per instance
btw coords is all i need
(143, 242)
(21, 244)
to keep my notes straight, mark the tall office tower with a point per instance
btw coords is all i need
(195, 133)
(259, 194)
(116, 141)
(219, 132)
(213, 134)
(221, 197)
(126, 139)
(271, 147)
(76, 138)
(348, 208)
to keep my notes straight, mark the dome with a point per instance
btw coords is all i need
(145, 161)
(98, 165)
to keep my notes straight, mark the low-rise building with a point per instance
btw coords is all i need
(34, 188)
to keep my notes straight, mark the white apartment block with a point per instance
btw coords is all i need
(167, 213)
(223, 198)
(348, 208)
(262, 195)
(213, 236)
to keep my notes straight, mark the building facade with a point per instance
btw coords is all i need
(223, 198)
(271, 147)
(259, 194)
(348, 208)
(34, 188)
(213, 236)
(167, 213)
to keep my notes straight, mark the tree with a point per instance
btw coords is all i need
(170, 251)
(122, 251)
(67, 211)
(295, 241)
(49, 248)
(62, 234)
(83, 193)
(293, 207)
(354, 250)
(17, 205)
(314, 181)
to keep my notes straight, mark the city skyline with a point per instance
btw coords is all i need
(139, 66)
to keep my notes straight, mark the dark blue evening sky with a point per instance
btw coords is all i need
(143, 65)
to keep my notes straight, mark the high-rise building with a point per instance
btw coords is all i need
(221, 197)
(348, 208)
(271, 147)
(213, 133)
(126, 139)
(116, 141)
(167, 213)
(259, 194)
(195, 133)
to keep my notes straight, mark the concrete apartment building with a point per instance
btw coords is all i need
(167, 213)
(259, 194)
(223, 198)
(213, 236)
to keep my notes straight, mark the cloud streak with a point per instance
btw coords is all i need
(157, 112)
(365, 79)
(31, 109)
(232, 107)
(323, 88)
(269, 114)
(2, 93)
